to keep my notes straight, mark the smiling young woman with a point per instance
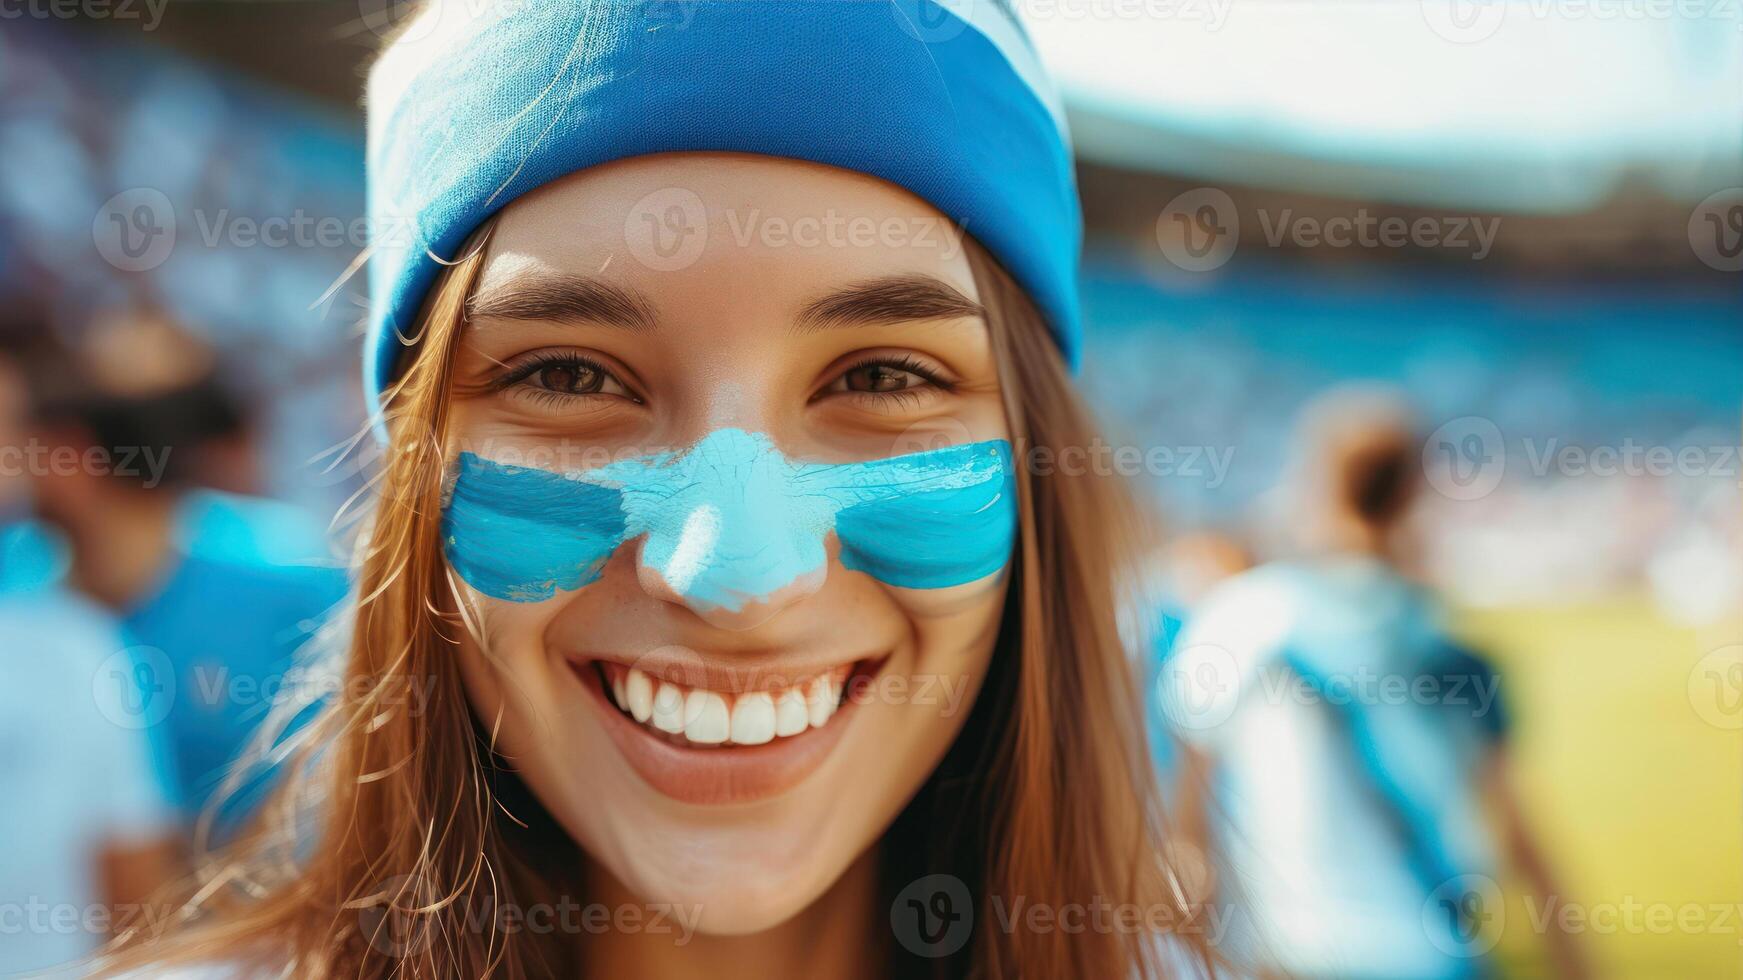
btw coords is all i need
(748, 641)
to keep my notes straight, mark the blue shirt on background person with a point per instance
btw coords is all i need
(249, 582)
(249, 586)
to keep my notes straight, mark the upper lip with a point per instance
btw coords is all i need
(693, 669)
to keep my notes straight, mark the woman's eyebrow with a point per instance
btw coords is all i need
(533, 295)
(887, 300)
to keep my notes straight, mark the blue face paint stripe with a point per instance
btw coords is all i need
(932, 537)
(525, 534)
(733, 521)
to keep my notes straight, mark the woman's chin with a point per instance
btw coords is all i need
(727, 898)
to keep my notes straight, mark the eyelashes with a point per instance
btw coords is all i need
(915, 382)
(554, 379)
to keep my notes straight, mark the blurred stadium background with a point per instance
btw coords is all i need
(205, 160)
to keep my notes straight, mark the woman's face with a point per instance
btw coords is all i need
(730, 705)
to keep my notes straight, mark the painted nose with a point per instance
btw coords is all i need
(734, 563)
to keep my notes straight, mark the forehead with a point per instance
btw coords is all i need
(725, 235)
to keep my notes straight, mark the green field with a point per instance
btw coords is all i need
(1628, 736)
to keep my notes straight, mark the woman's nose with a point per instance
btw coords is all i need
(736, 564)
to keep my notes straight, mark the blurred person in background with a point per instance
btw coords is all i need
(87, 830)
(1343, 753)
(205, 582)
(1186, 569)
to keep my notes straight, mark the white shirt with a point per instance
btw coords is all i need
(77, 773)
(1310, 851)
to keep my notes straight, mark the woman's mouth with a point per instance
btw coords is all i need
(696, 716)
(736, 740)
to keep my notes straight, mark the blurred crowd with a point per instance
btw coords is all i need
(152, 605)
(176, 432)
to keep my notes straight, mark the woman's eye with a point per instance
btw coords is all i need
(880, 378)
(902, 377)
(566, 376)
(571, 379)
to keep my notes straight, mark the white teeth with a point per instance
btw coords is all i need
(640, 691)
(820, 701)
(668, 708)
(705, 718)
(791, 718)
(753, 718)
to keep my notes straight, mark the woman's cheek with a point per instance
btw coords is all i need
(955, 632)
(504, 663)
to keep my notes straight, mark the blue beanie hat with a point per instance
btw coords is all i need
(480, 101)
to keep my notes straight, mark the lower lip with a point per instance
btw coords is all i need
(715, 776)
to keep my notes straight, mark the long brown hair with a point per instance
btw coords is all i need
(393, 827)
